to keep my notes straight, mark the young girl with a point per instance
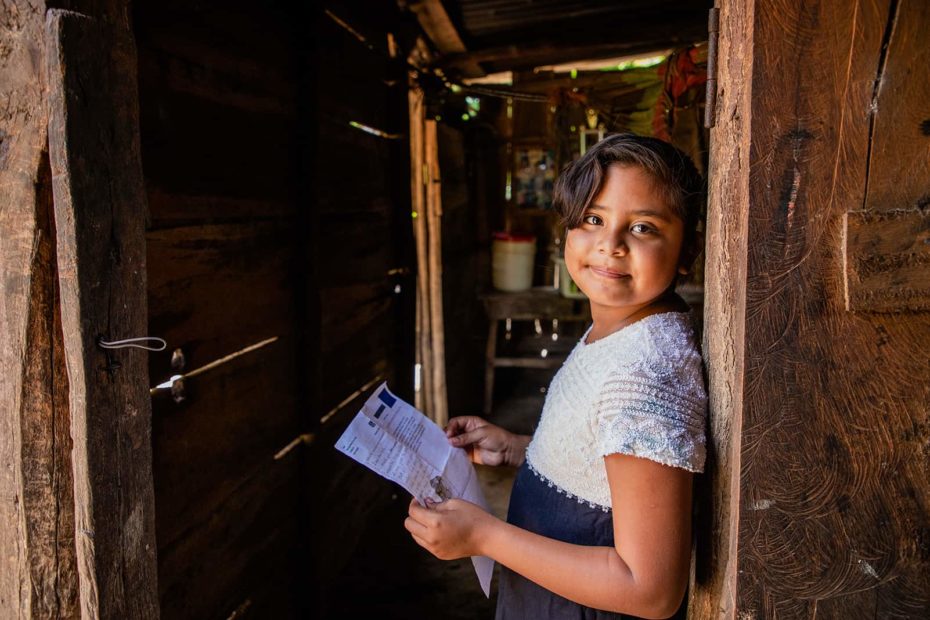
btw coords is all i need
(599, 523)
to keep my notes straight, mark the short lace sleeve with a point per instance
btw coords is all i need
(655, 415)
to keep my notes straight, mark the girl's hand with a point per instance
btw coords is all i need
(449, 530)
(486, 443)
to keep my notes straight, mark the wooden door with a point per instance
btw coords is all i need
(818, 314)
(362, 259)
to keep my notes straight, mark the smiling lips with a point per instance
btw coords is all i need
(608, 273)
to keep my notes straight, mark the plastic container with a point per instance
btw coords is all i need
(567, 286)
(512, 259)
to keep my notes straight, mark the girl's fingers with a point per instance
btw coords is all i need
(414, 527)
(467, 439)
(420, 541)
(421, 514)
(456, 425)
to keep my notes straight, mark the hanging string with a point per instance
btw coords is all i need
(134, 343)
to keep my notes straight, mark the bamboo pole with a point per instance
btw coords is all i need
(440, 412)
(422, 395)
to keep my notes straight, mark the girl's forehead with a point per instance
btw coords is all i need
(630, 185)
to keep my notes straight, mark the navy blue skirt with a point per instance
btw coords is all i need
(540, 508)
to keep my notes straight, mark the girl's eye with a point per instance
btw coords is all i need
(642, 229)
(592, 219)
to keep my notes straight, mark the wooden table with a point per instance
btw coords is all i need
(537, 303)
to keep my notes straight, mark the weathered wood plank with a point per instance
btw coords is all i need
(195, 146)
(826, 450)
(243, 548)
(233, 417)
(887, 260)
(899, 155)
(100, 215)
(216, 289)
(48, 496)
(38, 573)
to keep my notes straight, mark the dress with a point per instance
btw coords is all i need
(637, 391)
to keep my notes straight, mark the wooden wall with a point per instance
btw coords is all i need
(817, 324)
(364, 265)
(218, 98)
(271, 218)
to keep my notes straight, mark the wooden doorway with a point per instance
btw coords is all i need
(817, 323)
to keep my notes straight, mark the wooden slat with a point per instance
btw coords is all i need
(714, 587)
(899, 154)
(818, 415)
(216, 289)
(195, 146)
(38, 570)
(887, 261)
(245, 547)
(100, 214)
(436, 364)
(233, 417)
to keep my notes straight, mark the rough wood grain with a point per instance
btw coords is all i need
(887, 260)
(48, 497)
(714, 590)
(99, 216)
(226, 509)
(830, 437)
(437, 363)
(214, 289)
(899, 152)
(38, 571)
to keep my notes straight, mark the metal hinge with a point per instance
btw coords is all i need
(713, 28)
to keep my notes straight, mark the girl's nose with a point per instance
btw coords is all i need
(612, 244)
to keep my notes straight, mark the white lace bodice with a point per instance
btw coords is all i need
(637, 391)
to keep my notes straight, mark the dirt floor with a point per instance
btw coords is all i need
(391, 578)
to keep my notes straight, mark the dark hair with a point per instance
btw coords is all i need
(672, 171)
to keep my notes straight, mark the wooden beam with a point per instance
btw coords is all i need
(819, 423)
(440, 412)
(100, 210)
(439, 28)
(38, 573)
(714, 591)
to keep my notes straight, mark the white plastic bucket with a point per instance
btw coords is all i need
(512, 259)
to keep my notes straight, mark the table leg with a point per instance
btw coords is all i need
(489, 367)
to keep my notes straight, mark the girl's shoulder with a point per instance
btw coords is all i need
(662, 340)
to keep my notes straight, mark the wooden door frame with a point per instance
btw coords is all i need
(74, 123)
(798, 513)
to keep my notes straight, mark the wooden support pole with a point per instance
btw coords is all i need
(38, 574)
(423, 397)
(817, 329)
(100, 217)
(440, 411)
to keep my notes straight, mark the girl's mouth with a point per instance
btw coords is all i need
(608, 273)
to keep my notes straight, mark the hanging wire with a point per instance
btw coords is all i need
(134, 343)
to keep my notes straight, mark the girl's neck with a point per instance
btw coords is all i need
(609, 320)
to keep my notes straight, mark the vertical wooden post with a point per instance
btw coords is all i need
(427, 205)
(725, 319)
(100, 209)
(817, 323)
(423, 396)
(38, 574)
(440, 412)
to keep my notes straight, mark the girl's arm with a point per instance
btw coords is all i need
(644, 574)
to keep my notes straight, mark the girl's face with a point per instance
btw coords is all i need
(626, 252)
